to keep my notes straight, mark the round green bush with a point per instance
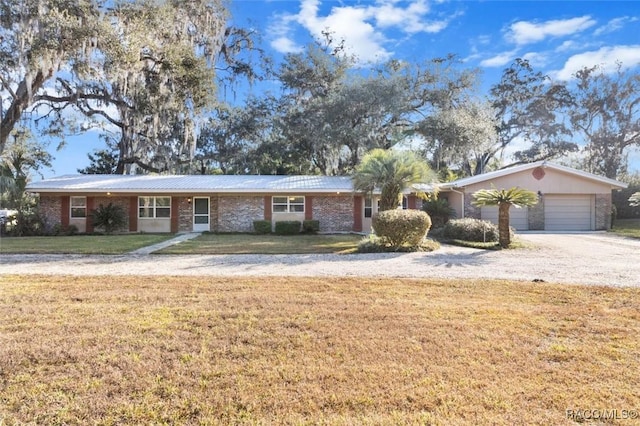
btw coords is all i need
(469, 229)
(402, 227)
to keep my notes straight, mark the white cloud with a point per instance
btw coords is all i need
(567, 45)
(524, 32)
(499, 60)
(285, 45)
(614, 25)
(361, 26)
(536, 59)
(606, 57)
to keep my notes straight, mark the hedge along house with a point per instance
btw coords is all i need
(216, 203)
(568, 199)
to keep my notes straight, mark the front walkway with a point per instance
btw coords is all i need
(155, 247)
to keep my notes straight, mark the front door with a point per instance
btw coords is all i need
(201, 214)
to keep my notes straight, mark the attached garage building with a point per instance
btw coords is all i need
(569, 199)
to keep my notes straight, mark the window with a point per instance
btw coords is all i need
(289, 204)
(367, 207)
(78, 207)
(154, 207)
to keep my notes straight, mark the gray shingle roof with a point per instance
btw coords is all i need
(192, 183)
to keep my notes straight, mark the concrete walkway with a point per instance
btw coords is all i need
(155, 247)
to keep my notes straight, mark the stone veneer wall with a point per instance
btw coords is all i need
(185, 214)
(237, 213)
(469, 209)
(603, 211)
(536, 215)
(123, 202)
(50, 211)
(335, 213)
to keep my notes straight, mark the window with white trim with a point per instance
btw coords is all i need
(288, 204)
(368, 207)
(154, 207)
(78, 207)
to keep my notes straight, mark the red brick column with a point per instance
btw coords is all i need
(65, 211)
(412, 202)
(357, 213)
(308, 208)
(175, 214)
(89, 218)
(267, 208)
(133, 214)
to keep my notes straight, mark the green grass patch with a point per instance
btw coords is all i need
(627, 227)
(265, 244)
(80, 244)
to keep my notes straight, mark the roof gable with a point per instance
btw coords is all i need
(461, 183)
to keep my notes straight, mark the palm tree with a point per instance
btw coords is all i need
(504, 199)
(392, 172)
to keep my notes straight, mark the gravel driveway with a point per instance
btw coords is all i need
(587, 258)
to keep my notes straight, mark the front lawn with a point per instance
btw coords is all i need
(207, 350)
(80, 244)
(627, 227)
(265, 244)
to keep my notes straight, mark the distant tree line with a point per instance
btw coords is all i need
(151, 75)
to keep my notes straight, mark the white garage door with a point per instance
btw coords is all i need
(518, 218)
(568, 213)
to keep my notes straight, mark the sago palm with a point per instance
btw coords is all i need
(392, 172)
(504, 199)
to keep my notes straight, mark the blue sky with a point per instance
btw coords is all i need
(557, 37)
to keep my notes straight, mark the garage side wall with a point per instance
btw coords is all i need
(603, 211)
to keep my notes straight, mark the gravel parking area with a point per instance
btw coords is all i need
(587, 258)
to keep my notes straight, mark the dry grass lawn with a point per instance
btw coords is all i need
(177, 350)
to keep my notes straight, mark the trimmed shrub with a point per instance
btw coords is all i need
(288, 227)
(262, 226)
(311, 226)
(375, 244)
(110, 217)
(402, 227)
(439, 211)
(469, 229)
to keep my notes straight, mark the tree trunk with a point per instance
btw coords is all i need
(503, 224)
(22, 101)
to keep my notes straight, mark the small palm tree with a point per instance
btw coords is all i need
(504, 199)
(392, 172)
(634, 200)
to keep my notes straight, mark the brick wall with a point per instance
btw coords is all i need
(603, 211)
(123, 202)
(185, 214)
(50, 211)
(236, 214)
(335, 213)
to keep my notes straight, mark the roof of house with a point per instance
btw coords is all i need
(192, 183)
(461, 183)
